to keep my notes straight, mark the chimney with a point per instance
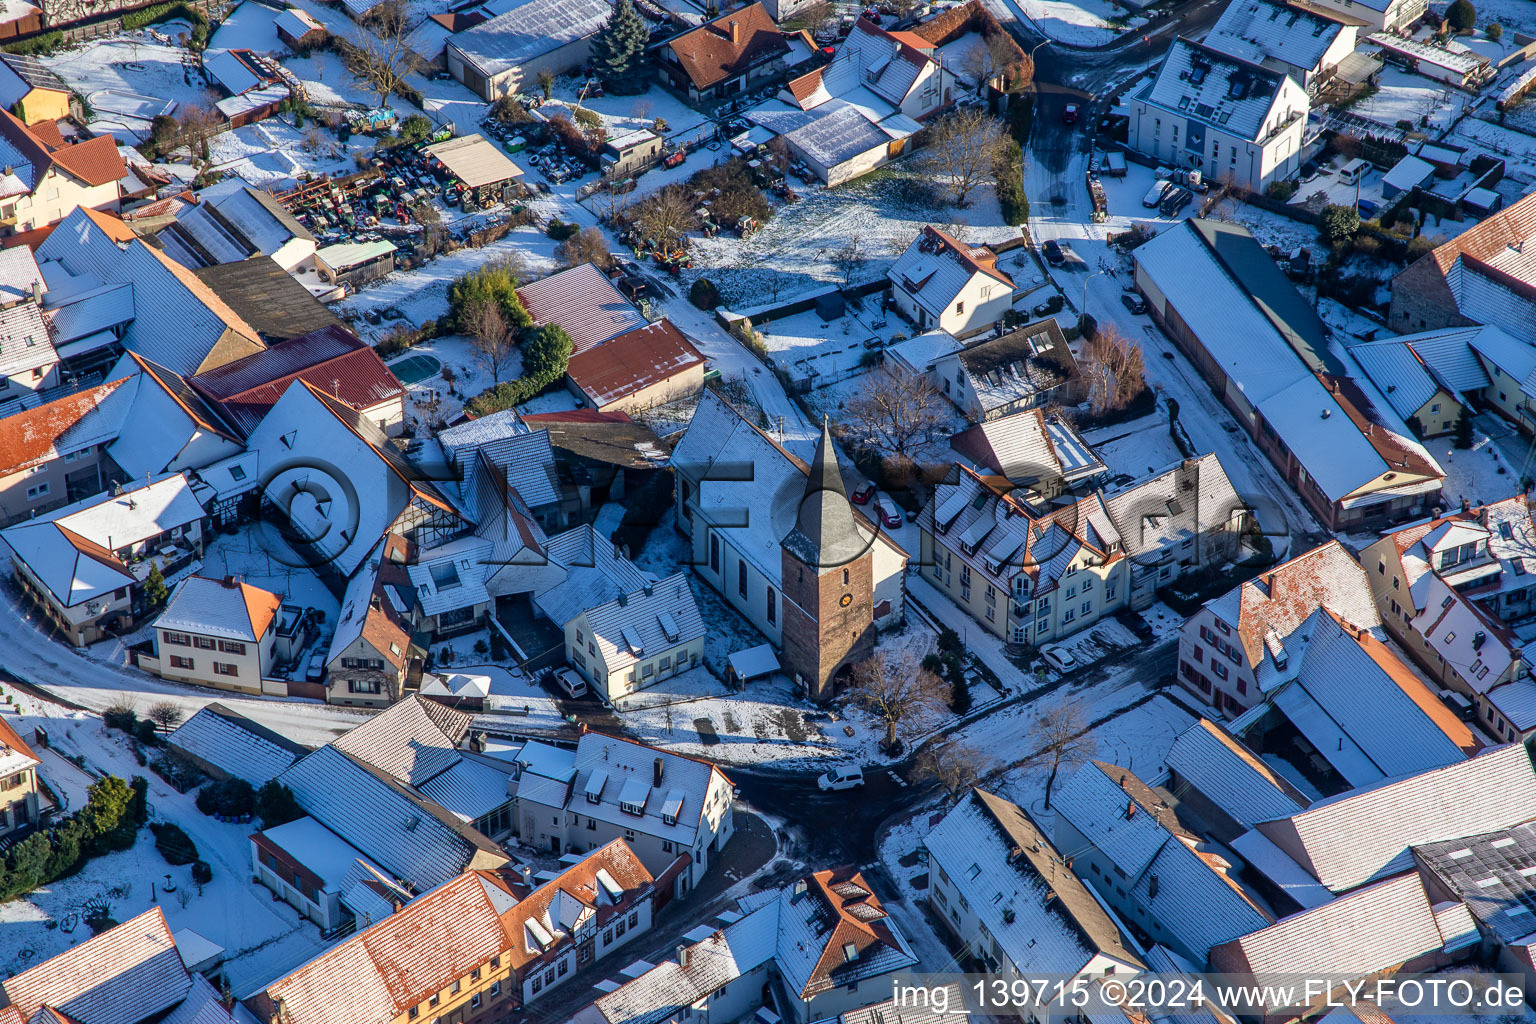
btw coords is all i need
(682, 951)
(735, 32)
(1466, 504)
(526, 871)
(1482, 516)
(656, 777)
(477, 741)
(649, 588)
(37, 292)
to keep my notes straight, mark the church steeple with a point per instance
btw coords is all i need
(825, 534)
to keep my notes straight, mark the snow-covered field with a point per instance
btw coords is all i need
(1404, 96)
(1517, 148)
(261, 558)
(1076, 22)
(130, 77)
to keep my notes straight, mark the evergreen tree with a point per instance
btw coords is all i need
(1463, 429)
(1461, 16)
(618, 51)
(155, 590)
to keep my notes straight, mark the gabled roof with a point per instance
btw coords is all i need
(936, 267)
(606, 763)
(646, 622)
(607, 437)
(1005, 370)
(1186, 501)
(605, 884)
(1028, 449)
(125, 975)
(872, 59)
(1259, 30)
(413, 739)
(369, 611)
(583, 303)
(223, 737)
(1365, 834)
(94, 161)
(268, 298)
(417, 840)
(1365, 933)
(332, 359)
(632, 362)
(728, 45)
(529, 31)
(34, 436)
(227, 608)
(1231, 776)
(834, 931)
(1038, 911)
(1229, 94)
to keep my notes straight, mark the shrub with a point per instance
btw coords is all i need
(1461, 16)
(1494, 31)
(493, 282)
(276, 805)
(587, 117)
(508, 110)
(704, 294)
(145, 732)
(415, 128)
(545, 356)
(1008, 179)
(177, 11)
(1282, 190)
(174, 844)
(120, 716)
(1339, 223)
(231, 798)
(559, 230)
(1367, 245)
(45, 43)
(202, 874)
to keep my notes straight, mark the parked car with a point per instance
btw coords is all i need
(573, 685)
(849, 776)
(1059, 657)
(1367, 208)
(890, 514)
(1155, 194)
(1069, 114)
(1044, 309)
(1052, 251)
(316, 670)
(862, 494)
(1174, 201)
(1133, 302)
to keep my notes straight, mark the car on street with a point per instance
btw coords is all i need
(889, 512)
(1133, 302)
(1155, 193)
(1053, 254)
(862, 494)
(1176, 199)
(1059, 657)
(849, 776)
(570, 683)
(1367, 208)
(1069, 114)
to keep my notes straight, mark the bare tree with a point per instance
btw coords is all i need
(547, 82)
(952, 765)
(1060, 736)
(988, 57)
(382, 57)
(493, 337)
(1115, 369)
(641, 110)
(433, 233)
(665, 217)
(896, 411)
(815, 16)
(961, 145)
(848, 256)
(167, 714)
(586, 246)
(897, 693)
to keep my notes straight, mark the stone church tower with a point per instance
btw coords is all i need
(828, 580)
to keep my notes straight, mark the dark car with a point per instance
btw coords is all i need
(1069, 114)
(1174, 201)
(1367, 208)
(1053, 254)
(1135, 303)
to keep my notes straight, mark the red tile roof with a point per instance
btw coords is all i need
(858, 919)
(580, 881)
(94, 161)
(1282, 598)
(10, 738)
(584, 303)
(632, 362)
(578, 416)
(980, 260)
(332, 359)
(729, 45)
(28, 438)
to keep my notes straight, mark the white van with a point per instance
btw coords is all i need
(846, 776)
(574, 686)
(1353, 171)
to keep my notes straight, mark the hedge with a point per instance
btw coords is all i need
(171, 12)
(174, 845)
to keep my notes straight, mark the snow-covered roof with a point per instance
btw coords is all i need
(328, 856)
(452, 575)
(125, 975)
(625, 762)
(841, 134)
(227, 608)
(18, 273)
(589, 574)
(1407, 173)
(1232, 95)
(754, 662)
(1159, 513)
(413, 740)
(936, 267)
(71, 550)
(583, 303)
(1231, 776)
(1365, 834)
(475, 160)
(1367, 932)
(469, 789)
(222, 737)
(528, 31)
(344, 255)
(658, 618)
(296, 23)
(25, 345)
(1259, 30)
(921, 351)
(1168, 868)
(1023, 891)
(871, 59)
(83, 313)
(415, 839)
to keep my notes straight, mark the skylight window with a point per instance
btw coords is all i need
(445, 575)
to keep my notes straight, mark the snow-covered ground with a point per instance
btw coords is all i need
(262, 938)
(1514, 15)
(1404, 96)
(129, 78)
(251, 26)
(1517, 148)
(1479, 474)
(272, 154)
(1137, 448)
(260, 557)
(1075, 22)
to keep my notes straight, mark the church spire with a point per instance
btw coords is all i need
(825, 534)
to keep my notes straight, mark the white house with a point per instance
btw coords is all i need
(1228, 118)
(1291, 40)
(1377, 15)
(86, 563)
(638, 638)
(218, 633)
(942, 282)
(505, 54)
(1013, 900)
(46, 178)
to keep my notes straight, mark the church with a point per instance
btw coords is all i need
(783, 545)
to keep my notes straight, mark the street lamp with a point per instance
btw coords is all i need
(1084, 310)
